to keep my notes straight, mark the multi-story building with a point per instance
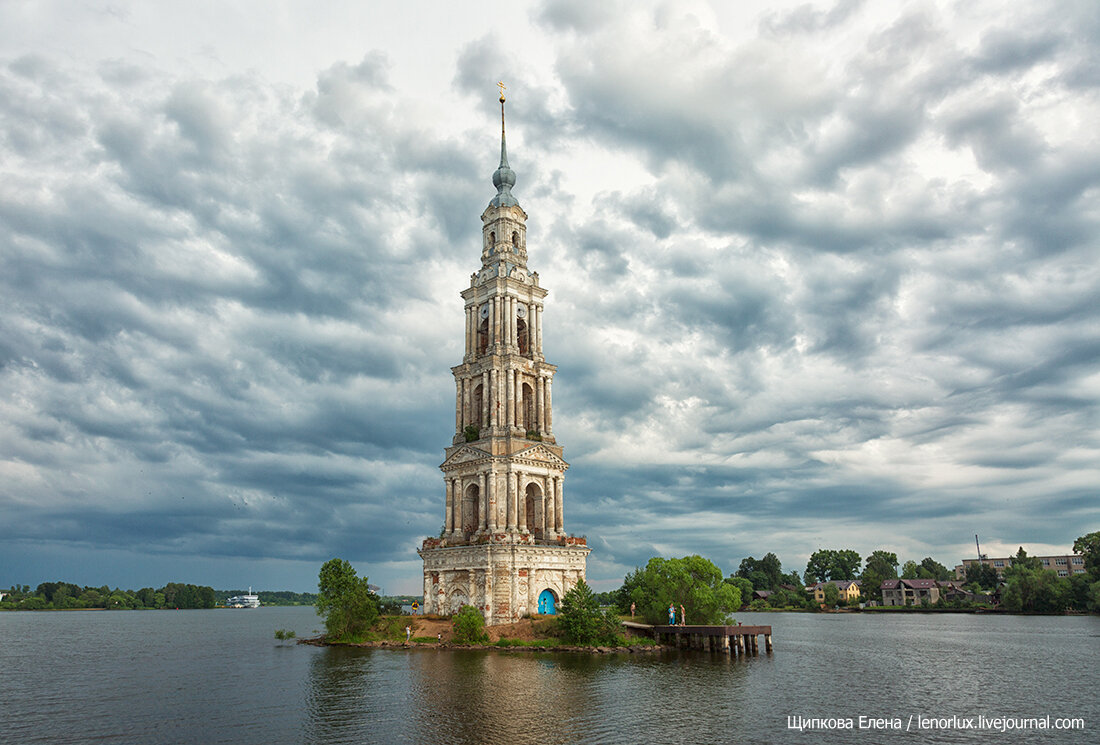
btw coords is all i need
(909, 591)
(1065, 565)
(848, 589)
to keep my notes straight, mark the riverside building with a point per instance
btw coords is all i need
(504, 547)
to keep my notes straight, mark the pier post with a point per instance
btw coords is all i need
(768, 643)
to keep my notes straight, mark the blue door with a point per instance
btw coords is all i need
(546, 603)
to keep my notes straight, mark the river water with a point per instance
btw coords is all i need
(220, 676)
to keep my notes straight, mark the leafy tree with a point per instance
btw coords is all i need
(1036, 590)
(623, 596)
(880, 566)
(1088, 546)
(828, 564)
(694, 582)
(744, 587)
(910, 570)
(345, 600)
(832, 595)
(582, 621)
(819, 566)
(932, 569)
(469, 626)
(982, 575)
(1022, 562)
(1080, 591)
(765, 574)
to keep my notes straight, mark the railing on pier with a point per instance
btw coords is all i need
(730, 639)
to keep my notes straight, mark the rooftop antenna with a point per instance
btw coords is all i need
(979, 547)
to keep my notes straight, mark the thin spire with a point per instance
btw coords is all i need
(503, 147)
(504, 178)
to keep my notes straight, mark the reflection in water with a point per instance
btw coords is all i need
(464, 696)
(220, 677)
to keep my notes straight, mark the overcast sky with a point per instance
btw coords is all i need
(822, 275)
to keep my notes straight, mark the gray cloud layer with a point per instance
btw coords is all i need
(817, 299)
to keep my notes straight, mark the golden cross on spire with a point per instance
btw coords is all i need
(502, 87)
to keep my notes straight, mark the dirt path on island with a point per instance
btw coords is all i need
(523, 629)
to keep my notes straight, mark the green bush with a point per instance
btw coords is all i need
(471, 432)
(469, 626)
(583, 622)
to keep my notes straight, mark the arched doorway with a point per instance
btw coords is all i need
(548, 603)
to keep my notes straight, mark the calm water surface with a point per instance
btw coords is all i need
(220, 676)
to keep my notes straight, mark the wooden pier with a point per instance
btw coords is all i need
(737, 640)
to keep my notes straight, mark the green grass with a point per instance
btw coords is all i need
(424, 639)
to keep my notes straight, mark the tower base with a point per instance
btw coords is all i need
(503, 580)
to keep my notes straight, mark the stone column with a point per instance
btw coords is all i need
(449, 517)
(521, 503)
(540, 411)
(458, 406)
(485, 396)
(466, 414)
(513, 390)
(549, 408)
(510, 399)
(456, 520)
(497, 313)
(532, 332)
(471, 326)
(494, 405)
(548, 507)
(519, 401)
(483, 504)
(513, 326)
(511, 489)
(507, 321)
(538, 325)
(559, 505)
(491, 481)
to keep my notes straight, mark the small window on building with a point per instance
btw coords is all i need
(998, 563)
(1078, 561)
(1061, 562)
(1063, 573)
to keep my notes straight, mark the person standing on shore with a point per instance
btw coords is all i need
(632, 610)
(671, 614)
(408, 633)
(683, 615)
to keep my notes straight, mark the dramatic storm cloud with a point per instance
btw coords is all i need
(821, 274)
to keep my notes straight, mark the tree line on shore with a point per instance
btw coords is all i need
(693, 590)
(1026, 585)
(69, 596)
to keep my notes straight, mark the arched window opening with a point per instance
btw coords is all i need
(470, 517)
(521, 337)
(533, 505)
(528, 408)
(492, 239)
(515, 239)
(477, 406)
(483, 337)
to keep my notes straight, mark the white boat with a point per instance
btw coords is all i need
(243, 601)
